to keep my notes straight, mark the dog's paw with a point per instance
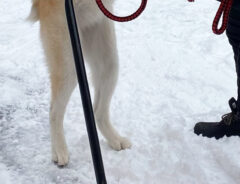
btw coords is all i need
(120, 143)
(60, 157)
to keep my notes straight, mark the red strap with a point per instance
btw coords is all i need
(122, 19)
(223, 11)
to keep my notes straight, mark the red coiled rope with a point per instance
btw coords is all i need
(122, 19)
(223, 11)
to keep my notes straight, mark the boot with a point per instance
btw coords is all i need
(229, 125)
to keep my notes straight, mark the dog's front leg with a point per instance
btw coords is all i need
(63, 80)
(62, 87)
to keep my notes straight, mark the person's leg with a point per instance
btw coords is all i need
(230, 123)
(233, 34)
(237, 60)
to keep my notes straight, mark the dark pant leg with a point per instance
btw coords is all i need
(237, 59)
(233, 33)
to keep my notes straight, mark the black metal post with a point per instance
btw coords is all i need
(85, 93)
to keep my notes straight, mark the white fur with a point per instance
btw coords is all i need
(99, 47)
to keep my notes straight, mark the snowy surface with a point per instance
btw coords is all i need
(173, 73)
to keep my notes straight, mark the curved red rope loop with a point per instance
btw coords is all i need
(223, 11)
(122, 19)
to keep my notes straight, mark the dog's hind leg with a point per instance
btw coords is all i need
(99, 44)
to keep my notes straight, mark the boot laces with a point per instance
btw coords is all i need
(228, 118)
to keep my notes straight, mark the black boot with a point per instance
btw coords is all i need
(229, 125)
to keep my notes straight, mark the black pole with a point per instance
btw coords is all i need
(85, 93)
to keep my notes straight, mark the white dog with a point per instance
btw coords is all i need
(99, 47)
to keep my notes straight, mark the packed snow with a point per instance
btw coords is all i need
(174, 72)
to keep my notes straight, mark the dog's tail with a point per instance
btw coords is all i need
(34, 16)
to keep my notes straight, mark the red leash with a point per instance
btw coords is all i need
(122, 19)
(223, 11)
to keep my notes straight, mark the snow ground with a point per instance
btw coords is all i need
(173, 73)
